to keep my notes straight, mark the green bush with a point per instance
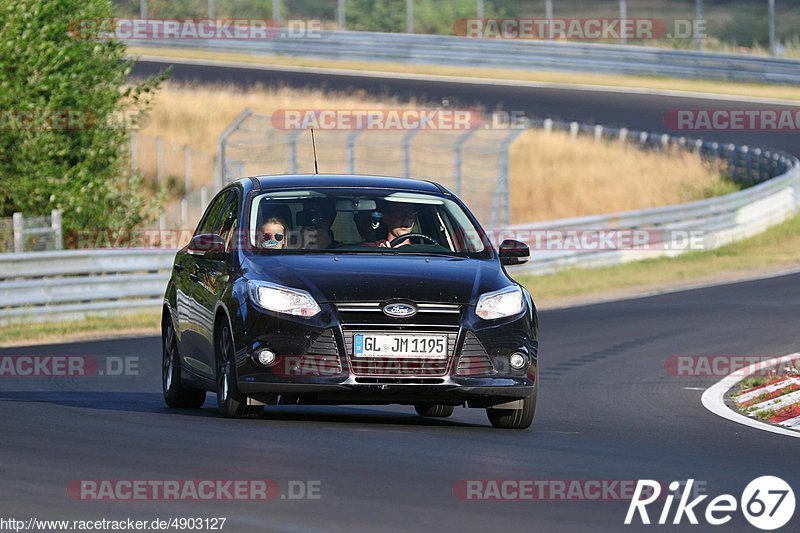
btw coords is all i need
(83, 167)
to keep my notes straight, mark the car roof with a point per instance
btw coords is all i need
(345, 181)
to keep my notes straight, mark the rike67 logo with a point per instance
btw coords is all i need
(767, 503)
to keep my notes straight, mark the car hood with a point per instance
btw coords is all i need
(368, 277)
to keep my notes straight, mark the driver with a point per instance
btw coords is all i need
(399, 219)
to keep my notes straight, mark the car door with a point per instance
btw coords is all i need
(213, 273)
(192, 313)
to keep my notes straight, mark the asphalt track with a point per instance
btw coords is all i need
(608, 410)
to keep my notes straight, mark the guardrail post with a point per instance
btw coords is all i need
(548, 125)
(408, 138)
(574, 128)
(18, 224)
(623, 135)
(219, 177)
(409, 16)
(623, 14)
(501, 201)
(184, 212)
(293, 151)
(462, 139)
(203, 198)
(134, 151)
(187, 169)
(55, 225)
(598, 133)
(351, 151)
(276, 10)
(341, 15)
(159, 160)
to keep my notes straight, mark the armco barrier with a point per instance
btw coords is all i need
(76, 282)
(40, 285)
(515, 54)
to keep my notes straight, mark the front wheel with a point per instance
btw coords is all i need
(176, 394)
(231, 402)
(514, 418)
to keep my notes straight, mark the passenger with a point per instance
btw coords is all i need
(273, 233)
(315, 221)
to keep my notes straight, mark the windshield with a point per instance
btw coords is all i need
(375, 220)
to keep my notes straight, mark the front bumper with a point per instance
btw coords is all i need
(314, 365)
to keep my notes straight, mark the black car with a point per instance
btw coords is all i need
(344, 289)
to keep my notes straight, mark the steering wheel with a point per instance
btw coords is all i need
(397, 240)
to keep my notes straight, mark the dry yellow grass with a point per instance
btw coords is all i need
(552, 176)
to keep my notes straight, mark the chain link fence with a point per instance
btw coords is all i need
(474, 163)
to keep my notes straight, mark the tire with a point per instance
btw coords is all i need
(176, 394)
(514, 418)
(433, 410)
(231, 402)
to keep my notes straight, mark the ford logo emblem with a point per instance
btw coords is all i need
(399, 310)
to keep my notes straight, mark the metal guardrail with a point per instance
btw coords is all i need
(37, 285)
(514, 54)
(80, 282)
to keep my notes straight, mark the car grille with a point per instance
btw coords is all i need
(400, 366)
(474, 361)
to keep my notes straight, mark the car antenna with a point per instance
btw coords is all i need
(314, 146)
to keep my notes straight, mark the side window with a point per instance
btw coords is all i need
(210, 222)
(229, 221)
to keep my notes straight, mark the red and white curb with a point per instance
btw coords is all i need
(714, 398)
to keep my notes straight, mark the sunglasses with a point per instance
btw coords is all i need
(278, 237)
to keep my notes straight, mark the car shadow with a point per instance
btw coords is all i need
(149, 402)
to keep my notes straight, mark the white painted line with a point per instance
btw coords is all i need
(776, 403)
(714, 398)
(792, 422)
(469, 80)
(746, 397)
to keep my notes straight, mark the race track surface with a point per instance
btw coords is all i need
(608, 407)
(608, 410)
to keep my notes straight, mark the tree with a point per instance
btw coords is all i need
(62, 94)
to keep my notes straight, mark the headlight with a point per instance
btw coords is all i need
(498, 304)
(282, 299)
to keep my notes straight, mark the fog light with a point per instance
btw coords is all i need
(266, 357)
(517, 361)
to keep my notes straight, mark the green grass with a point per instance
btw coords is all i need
(93, 326)
(780, 245)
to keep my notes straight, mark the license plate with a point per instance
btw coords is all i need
(381, 345)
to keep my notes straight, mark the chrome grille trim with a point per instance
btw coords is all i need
(376, 307)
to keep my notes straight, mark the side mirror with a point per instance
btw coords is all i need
(208, 245)
(514, 253)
